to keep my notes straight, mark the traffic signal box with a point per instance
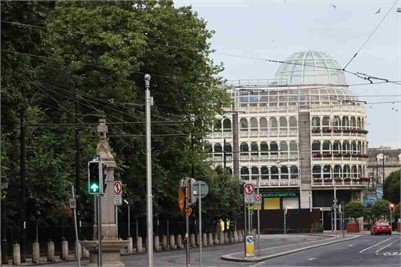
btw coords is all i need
(95, 178)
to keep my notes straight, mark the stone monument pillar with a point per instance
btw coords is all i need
(111, 246)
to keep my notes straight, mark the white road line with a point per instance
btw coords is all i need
(350, 245)
(385, 246)
(311, 259)
(374, 245)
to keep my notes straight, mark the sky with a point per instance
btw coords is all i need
(276, 29)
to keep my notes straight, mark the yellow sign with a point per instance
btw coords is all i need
(250, 249)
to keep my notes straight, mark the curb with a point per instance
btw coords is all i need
(262, 258)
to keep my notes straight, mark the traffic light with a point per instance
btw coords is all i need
(391, 207)
(95, 179)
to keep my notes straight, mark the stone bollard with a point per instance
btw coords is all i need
(254, 234)
(78, 250)
(130, 246)
(210, 239)
(64, 249)
(221, 238)
(35, 252)
(179, 241)
(164, 242)
(204, 239)
(193, 244)
(139, 248)
(85, 253)
(16, 254)
(198, 240)
(231, 237)
(226, 239)
(157, 243)
(235, 236)
(240, 236)
(50, 251)
(216, 238)
(172, 242)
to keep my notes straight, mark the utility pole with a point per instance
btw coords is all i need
(335, 207)
(383, 168)
(77, 158)
(235, 145)
(149, 200)
(224, 157)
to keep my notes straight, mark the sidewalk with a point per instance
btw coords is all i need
(273, 252)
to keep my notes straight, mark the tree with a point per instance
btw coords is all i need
(355, 209)
(381, 209)
(391, 187)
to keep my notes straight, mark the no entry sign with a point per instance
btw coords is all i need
(249, 189)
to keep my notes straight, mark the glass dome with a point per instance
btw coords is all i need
(310, 68)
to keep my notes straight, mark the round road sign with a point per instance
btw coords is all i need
(257, 197)
(249, 189)
(118, 188)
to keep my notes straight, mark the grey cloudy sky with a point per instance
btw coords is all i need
(276, 29)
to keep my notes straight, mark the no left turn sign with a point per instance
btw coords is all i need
(249, 189)
(118, 188)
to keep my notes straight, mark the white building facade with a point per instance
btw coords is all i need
(302, 134)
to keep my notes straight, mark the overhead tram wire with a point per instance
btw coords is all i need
(357, 74)
(370, 35)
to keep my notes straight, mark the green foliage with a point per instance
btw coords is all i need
(381, 208)
(355, 209)
(317, 228)
(391, 187)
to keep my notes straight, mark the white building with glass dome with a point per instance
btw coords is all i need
(302, 134)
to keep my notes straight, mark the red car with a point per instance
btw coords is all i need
(381, 228)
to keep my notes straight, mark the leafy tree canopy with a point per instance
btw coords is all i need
(391, 187)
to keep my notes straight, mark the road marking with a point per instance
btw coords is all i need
(373, 245)
(377, 251)
(311, 259)
(350, 245)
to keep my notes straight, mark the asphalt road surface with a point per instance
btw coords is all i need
(380, 251)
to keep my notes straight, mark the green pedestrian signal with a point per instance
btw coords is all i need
(95, 180)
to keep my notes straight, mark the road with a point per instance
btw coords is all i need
(380, 251)
(383, 251)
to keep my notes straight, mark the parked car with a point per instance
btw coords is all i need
(381, 228)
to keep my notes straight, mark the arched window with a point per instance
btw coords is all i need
(273, 148)
(316, 121)
(360, 174)
(265, 172)
(363, 123)
(217, 125)
(293, 148)
(353, 147)
(353, 122)
(316, 146)
(274, 172)
(345, 123)
(244, 173)
(273, 123)
(264, 149)
(228, 148)
(336, 147)
(255, 173)
(284, 172)
(227, 125)
(293, 123)
(326, 147)
(244, 148)
(359, 148)
(218, 148)
(244, 124)
(358, 123)
(336, 122)
(346, 147)
(327, 172)
(254, 124)
(354, 171)
(254, 149)
(294, 172)
(263, 124)
(346, 171)
(337, 171)
(283, 123)
(208, 148)
(283, 148)
(317, 172)
(326, 122)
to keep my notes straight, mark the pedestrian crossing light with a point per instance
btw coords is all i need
(95, 177)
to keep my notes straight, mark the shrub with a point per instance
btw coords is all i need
(355, 209)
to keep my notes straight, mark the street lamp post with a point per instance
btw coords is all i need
(129, 217)
(149, 201)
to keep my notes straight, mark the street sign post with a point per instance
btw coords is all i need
(73, 203)
(200, 190)
(249, 188)
(118, 193)
(250, 199)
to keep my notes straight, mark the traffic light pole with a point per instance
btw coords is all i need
(99, 230)
(188, 255)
